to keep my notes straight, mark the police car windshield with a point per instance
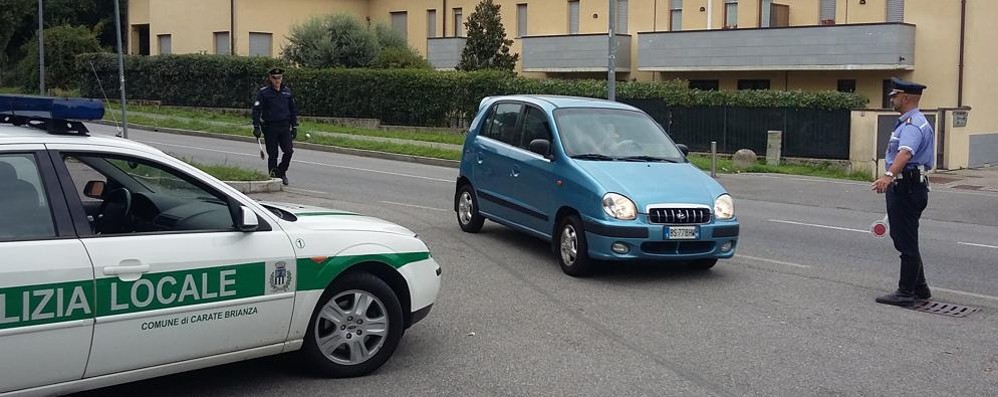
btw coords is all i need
(157, 180)
(615, 133)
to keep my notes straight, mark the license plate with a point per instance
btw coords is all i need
(682, 233)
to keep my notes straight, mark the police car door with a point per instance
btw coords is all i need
(46, 279)
(175, 280)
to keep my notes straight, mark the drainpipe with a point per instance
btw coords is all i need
(232, 27)
(444, 14)
(710, 14)
(963, 31)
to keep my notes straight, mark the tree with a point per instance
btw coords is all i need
(62, 45)
(331, 41)
(487, 46)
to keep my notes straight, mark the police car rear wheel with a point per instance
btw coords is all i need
(355, 328)
(467, 210)
(573, 250)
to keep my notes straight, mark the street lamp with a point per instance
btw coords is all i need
(121, 70)
(611, 69)
(41, 51)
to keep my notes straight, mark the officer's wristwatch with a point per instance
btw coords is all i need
(889, 173)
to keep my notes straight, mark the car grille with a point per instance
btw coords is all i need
(677, 247)
(679, 216)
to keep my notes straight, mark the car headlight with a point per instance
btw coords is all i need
(724, 207)
(619, 207)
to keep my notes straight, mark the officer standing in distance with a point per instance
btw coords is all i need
(910, 153)
(275, 115)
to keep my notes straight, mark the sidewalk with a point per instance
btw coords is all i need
(976, 179)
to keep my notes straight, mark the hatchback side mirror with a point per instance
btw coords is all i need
(683, 148)
(541, 147)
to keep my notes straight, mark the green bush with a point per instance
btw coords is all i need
(400, 58)
(395, 96)
(338, 40)
(62, 45)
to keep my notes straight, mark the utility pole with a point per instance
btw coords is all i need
(41, 51)
(121, 70)
(611, 74)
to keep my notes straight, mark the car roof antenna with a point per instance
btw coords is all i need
(117, 125)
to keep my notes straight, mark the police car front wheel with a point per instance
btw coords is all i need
(355, 327)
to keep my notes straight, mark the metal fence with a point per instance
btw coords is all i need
(807, 133)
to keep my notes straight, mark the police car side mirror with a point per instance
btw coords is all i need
(94, 189)
(247, 221)
(683, 148)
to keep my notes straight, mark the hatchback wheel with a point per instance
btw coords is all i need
(467, 210)
(355, 327)
(573, 251)
(702, 264)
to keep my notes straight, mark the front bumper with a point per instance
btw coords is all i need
(646, 241)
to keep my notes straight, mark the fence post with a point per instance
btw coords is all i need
(774, 144)
(713, 159)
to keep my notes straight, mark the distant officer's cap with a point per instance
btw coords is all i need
(908, 87)
(275, 71)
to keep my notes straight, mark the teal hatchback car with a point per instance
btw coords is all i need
(601, 180)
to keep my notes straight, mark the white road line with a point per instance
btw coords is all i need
(821, 226)
(825, 181)
(309, 162)
(414, 206)
(797, 265)
(296, 190)
(957, 292)
(977, 245)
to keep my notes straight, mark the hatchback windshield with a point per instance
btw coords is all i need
(612, 134)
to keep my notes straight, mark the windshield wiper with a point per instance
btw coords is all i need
(648, 158)
(593, 156)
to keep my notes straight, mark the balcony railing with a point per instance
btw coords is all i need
(574, 53)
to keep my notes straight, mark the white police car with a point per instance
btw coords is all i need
(120, 263)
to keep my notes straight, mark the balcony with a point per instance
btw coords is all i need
(573, 53)
(444, 53)
(882, 46)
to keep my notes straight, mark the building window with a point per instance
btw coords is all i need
(573, 17)
(730, 14)
(458, 23)
(753, 84)
(400, 23)
(521, 20)
(826, 13)
(765, 13)
(431, 24)
(847, 86)
(621, 17)
(260, 44)
(165, 44)
(222, 43)
(705, 85)
(895, 10)
(676, 15)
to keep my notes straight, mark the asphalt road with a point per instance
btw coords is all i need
(791, 314)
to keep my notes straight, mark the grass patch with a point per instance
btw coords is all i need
(826, 170)
(227, 172)
(10, 90)
(305, 126)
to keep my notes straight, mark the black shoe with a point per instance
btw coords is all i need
(898, 298)
(923, 292)
(284, 179)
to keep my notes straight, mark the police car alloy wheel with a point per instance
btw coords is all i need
(467, 210)
(573, 251)
(355, 327)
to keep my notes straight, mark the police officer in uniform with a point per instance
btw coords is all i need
(910, 153)
(275, 116)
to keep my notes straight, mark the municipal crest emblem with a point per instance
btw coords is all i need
(280, 278)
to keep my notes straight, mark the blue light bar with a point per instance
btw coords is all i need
(41, 107)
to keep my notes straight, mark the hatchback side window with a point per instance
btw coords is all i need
(504, 122)
(535, 126)
(25, 213)
(123, 195)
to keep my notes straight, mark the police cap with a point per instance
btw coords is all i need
(275, 70)
(908, 87)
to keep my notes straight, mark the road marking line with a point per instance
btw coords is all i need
(773, 261)
(977, 245)
(296, 190)
(415, 206)
(953, 291)
(309, 162)
(821, 226)
(942, 189)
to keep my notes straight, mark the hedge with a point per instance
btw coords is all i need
(395, 96)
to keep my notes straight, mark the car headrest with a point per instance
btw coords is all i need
(7, 173)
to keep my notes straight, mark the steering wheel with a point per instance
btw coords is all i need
(115, 212)
(622, 144)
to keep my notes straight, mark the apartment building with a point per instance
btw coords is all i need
(846, 45)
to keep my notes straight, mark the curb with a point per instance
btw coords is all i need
(302, 145)
(247, 187)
